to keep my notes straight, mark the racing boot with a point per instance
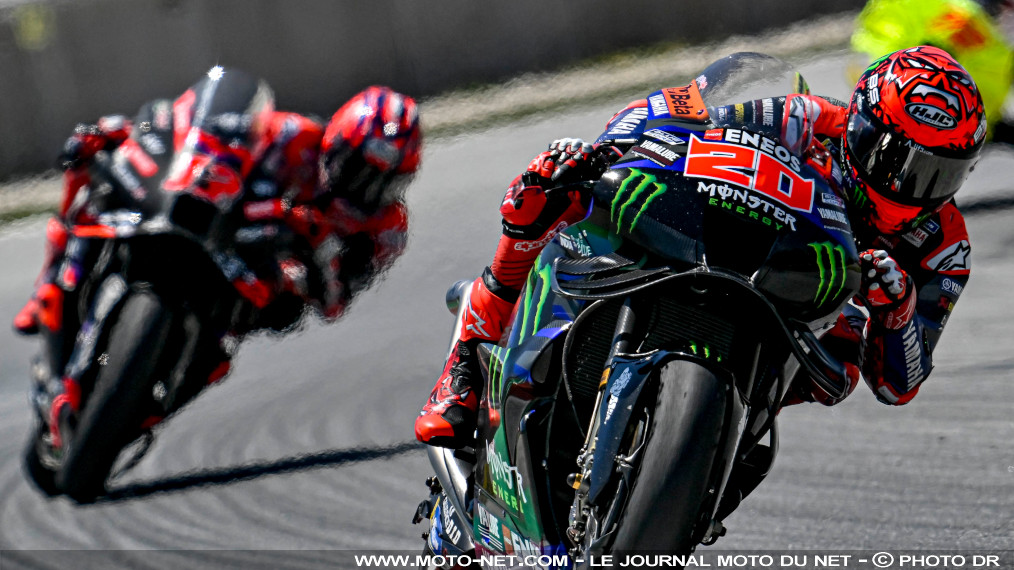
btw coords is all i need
(26, 321)
(45, 305)
(448, 418)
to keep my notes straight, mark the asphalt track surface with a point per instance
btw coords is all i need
(307, 445)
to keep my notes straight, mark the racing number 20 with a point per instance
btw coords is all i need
(751, 168)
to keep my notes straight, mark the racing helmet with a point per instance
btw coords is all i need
(915, 129)
(371, 148)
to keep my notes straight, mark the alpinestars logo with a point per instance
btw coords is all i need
(477, 321)
(629, 193)
(831, 263)
(955, 258)
(540, 243)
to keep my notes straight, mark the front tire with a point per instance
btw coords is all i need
(672, 481)
(37, 470)
(113, 413)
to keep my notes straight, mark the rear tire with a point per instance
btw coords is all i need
(672, 481)
(112, 414)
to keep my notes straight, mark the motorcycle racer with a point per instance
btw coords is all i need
(910, 135)
(337, 188)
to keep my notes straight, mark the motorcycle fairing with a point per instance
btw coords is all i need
(499, 534)
(516, 373)
(796, 220)
(447, 536)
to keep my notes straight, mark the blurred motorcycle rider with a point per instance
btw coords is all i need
(910, 135)
(338, 187)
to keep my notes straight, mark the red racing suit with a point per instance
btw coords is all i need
(890, 346)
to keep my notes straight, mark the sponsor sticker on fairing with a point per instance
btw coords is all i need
(616, 391)
(656, 153)
(451, 529)
(685, 102)
(630, 122)
(768, 117)
(754, 162)
(504, 477)
(489, 528)
(832, 200)
(834, 219)
(658, 106)
(742, 202)
(664, 136)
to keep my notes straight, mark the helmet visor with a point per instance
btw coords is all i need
(899, 169)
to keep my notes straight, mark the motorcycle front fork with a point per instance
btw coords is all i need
(582, 520)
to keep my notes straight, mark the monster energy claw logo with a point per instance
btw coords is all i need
(831, 262)
(619, 207)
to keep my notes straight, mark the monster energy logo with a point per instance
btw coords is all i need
(536, 293)
(859, 196)
(619, 207)
(704, 350)
(831, 262)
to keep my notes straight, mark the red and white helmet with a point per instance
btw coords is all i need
(371, 148)
(916, 127)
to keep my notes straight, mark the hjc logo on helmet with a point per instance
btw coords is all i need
(926, 101)
(930, 115)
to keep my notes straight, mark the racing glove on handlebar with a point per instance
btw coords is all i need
(571, 160)
(107, 134)
(888, 289)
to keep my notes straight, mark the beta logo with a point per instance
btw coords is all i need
(685, 102)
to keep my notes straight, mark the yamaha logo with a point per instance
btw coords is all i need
(930, 115)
